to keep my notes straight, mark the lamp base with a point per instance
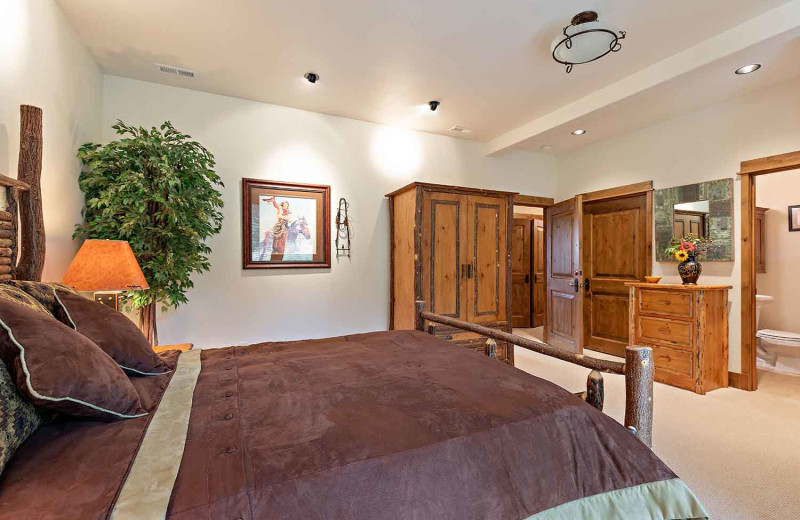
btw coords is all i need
(110, 299)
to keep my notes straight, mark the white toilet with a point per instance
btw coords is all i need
(777, 348)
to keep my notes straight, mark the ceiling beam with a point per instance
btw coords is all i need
(771, 24)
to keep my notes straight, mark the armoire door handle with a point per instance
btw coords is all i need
(527, 278)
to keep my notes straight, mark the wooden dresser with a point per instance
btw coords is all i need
(450, 247)
(687, 326)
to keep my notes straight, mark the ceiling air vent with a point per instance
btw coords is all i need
(176, 71)
(460, 130)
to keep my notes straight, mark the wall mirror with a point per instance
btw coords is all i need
(705, 209)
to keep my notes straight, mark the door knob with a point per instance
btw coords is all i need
(575, 284)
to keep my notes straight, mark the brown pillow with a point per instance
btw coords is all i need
(18, 417)
(111, 331)
(43, 292)
(12, 293)
(59, 369)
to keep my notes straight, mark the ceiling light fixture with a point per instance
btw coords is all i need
(747, 69)
(578, 132)
(311, 77)
(585, 39)
(433, 105)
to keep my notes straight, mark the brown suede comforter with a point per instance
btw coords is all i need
(385, 425)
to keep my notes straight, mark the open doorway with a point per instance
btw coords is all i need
(527, 264)
(768, 337)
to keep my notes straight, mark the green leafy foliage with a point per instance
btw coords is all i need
(156, 189)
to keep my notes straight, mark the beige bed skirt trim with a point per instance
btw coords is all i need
(148, 488)
(662, 500)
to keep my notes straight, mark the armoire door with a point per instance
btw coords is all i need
(521, 273)
(537, 225)
(486, 245)
(564, 293)
(615, 251)
(444, 253)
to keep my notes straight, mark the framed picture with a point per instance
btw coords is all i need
(286, 225)
(794, 218)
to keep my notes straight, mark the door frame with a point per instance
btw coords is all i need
(534, 201)
(749, 170)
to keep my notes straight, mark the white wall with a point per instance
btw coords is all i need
(42, 63)
(361, 161)
(777, 192)
(704, 145)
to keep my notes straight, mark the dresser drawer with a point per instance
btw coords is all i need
(672, 360)
(671, 303)
(663, 330)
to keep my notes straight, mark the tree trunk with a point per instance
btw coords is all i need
(32, 239)
(147, 323)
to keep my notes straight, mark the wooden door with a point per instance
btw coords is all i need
(521, 272)
(444, 251)
(487, 247)
(564, 324)
(537, 225)
(685, 222)
(616, 251)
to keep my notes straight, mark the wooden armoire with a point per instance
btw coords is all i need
(451, 248)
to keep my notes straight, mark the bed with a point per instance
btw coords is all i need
(385, 425)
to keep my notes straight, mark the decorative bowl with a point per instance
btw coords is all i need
(652, 279)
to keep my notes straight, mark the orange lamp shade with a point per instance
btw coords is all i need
(105, 265)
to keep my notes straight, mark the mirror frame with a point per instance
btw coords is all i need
(719, 194)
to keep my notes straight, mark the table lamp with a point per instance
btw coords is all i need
(106, 268)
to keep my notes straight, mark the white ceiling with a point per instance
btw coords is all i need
(488, 62)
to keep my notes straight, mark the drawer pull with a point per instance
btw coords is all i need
(664, 302)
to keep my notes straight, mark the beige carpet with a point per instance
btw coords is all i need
(738, 451)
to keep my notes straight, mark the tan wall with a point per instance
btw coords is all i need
(360, 161)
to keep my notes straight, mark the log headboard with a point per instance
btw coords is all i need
(9, 202)
(22, 238)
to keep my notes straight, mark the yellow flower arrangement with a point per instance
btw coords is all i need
(681, 255)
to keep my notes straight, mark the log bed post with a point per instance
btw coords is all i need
(419, 322)
(639, 372)
(491, 348)
(595, 390)
(32, 240)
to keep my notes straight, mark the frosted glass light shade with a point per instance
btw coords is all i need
(583, 42)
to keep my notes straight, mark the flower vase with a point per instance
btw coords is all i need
(690, 270)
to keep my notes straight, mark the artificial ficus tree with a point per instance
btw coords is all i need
(157, 189)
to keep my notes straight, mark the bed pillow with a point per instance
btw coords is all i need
(43, 292)
(110, 330)
(18, 418)
(14, 294)
(61, 370)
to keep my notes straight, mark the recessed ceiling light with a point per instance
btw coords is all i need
(579, 132)
(460, 130)
(311, 77)
(747, 69)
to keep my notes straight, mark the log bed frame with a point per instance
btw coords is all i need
(22, 251)
(638, 369)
